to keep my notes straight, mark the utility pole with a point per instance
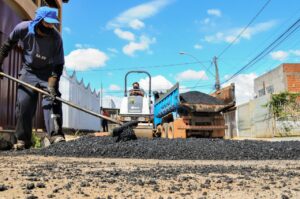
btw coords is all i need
(217, 84)
(101, 95)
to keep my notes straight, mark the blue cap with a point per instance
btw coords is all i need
(49, 15)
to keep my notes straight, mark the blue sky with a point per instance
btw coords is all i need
(105, 39)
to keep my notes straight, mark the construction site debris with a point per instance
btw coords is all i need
(177, 149)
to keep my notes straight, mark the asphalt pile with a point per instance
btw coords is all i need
(196, 97)
(177, 149)
(125, 132)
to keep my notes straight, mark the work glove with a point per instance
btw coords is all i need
(52, 84)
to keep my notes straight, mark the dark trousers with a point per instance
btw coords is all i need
(104, 125)
(26, 108)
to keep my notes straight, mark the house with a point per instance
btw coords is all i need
(254, 118)
(285, 77)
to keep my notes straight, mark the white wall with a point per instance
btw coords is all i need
(273, 78)
(254, 120)
(75, 91)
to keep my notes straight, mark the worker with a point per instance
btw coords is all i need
(136, 90)
(43, 61)
(104, 122)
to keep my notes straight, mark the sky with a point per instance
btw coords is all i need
(103, 40)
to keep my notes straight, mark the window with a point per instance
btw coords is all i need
(270, 89)
(261, 92)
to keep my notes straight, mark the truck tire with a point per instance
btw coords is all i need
(164, 132)
(158, 132)
(171, 130)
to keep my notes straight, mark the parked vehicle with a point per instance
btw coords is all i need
(192, 114)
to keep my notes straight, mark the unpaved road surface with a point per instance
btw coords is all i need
(29, 176)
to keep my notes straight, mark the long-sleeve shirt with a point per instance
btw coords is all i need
(41, 54)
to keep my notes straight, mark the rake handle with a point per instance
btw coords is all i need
(59, 99)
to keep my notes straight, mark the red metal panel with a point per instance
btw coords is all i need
(12, 66)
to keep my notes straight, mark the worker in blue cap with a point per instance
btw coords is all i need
(43, 61)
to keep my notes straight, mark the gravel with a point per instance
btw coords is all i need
(196, 97)
(3, 187)
(111, 178)
(177, 149)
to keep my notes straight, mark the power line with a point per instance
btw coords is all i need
(269, 48)
(188, 87)
(144, 67)
(244, 29)
(201, 79)
(201, 63)
(269, 38)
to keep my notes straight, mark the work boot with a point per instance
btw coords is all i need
(56, 139)
(20, 145)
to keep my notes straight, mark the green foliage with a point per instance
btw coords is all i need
(36, 141)
(283, 104)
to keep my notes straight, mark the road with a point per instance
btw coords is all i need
(32, 176)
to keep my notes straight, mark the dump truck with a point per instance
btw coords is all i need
(192, 114)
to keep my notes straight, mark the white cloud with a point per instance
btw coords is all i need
(282, 55)
(124, 34)
(295, 52)
(158, 83)
(198, 46)
(229, 35)
(114, 87)
(206, 21)
(191, 75)
(136, 24)
(183, 89)
(113, 50)
(84, 59)
(78, 45)
(139, 12)
(244, 87)
(214, 12)
(67, 30)
(142, 45)
(279, 55)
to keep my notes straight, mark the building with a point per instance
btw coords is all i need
(76, 92)
(13, 12)
(254, 118)
(285, 77)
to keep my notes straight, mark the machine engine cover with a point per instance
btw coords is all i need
(135, 104)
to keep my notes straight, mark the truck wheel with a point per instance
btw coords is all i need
(164, 132)
(158, 131)
(171, 130)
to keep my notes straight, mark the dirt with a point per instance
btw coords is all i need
(61, 177)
